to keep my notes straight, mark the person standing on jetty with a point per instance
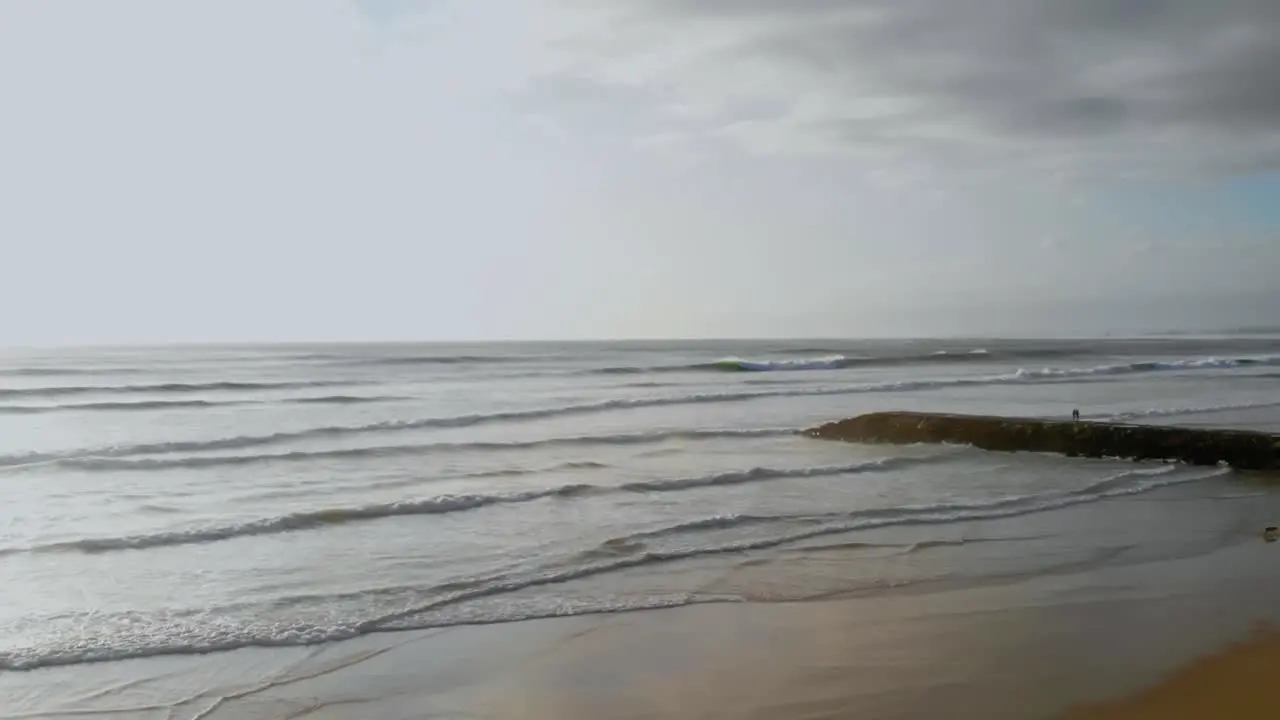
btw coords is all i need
(1075, 415)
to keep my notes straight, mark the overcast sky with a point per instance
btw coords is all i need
(473, 169)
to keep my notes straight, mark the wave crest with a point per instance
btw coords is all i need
(120, 458)
(148, 405)
(312, 519)
(308, 520)
(760, 474)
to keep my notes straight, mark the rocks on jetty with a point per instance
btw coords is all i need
(1243, 449)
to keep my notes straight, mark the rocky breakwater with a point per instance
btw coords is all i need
(1242, 449)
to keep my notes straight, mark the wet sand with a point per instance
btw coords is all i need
(1110, 643)
(1236, 682)
(1027, 650)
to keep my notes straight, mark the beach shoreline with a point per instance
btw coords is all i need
(1033, 648)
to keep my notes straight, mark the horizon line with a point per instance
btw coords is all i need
(1259, 333)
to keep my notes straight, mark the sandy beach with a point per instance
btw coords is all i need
(1122, 642)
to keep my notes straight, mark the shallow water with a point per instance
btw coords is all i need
(180, 500)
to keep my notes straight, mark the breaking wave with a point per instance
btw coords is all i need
(618, 554)
(1192, 410)
(1205, 363)
(834, 362)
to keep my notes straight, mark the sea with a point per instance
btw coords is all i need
(197, 499)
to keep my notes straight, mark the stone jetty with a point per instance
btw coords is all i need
(1242, 449)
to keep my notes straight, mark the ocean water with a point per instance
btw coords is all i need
(195, 499)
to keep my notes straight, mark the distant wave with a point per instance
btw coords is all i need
(223, 386)
(110, 406)
(805, 361)
(841, 362)
(1191, 410)
(618, 554)
(117, 458)
(1208, 363)
(146, 405)
(312, 519)
(247, 441)
(67, 371)
(412, 360)
(1018, 377)
(1248, 330)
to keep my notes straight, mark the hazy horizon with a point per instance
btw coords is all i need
(1259, 333)
(392, 170)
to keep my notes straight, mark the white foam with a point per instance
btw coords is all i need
(141, 637)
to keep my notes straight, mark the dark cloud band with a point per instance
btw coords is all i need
(1195, 79)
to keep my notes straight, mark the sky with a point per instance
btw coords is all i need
(522, 169)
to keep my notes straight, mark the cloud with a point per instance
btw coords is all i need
(1119, 87)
